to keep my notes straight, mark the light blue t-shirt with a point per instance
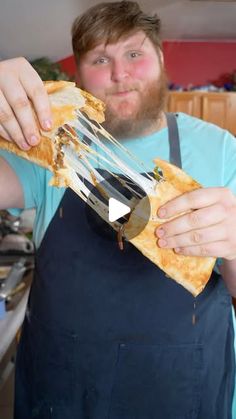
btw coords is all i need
(208, 155)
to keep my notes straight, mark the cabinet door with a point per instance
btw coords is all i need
(231, 114)
(187, 102)
(216, 108)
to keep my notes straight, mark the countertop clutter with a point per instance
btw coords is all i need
(16, 271)
(12, 316)
(13, 300)
(16, 265)
(10, 325)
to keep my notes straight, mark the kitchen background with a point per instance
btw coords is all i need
(199, 35)
(199, 44)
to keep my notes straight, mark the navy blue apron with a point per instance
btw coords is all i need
(108, 336)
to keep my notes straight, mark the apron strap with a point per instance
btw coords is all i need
(175, 155)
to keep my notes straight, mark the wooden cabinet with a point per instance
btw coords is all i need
(218, 108)
(186, 102)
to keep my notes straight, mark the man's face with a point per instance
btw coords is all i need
(129, 78)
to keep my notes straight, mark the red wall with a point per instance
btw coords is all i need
(68, 65)
(198, 63)
(187, 62)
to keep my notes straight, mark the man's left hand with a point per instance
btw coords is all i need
(207, 229)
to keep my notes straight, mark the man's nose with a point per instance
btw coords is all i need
(119, 71)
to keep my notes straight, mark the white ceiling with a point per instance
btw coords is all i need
(35, 28)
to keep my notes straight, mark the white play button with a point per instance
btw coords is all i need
(117, 210)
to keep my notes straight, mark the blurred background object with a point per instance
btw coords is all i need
(48, 70)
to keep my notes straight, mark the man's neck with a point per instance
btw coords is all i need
(157, 125)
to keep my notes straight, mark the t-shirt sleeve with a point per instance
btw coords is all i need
(31, 179)
(229, 162)
(229, 170)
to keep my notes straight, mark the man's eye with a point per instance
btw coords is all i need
(102, 60)
(134, 54)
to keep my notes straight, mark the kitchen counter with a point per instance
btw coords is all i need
(11, 323)
(14, 316)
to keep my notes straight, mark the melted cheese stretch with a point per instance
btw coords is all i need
(145, 182)
(82, 156)
(80, 160)
(191, 272)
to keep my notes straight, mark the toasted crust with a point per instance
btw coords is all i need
(177, 177)
(93, 108)
(192, 273)
(54, 86)
(65, 99)
(42, 155)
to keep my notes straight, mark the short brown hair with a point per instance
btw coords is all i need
(108, 22)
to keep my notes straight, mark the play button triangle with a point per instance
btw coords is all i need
(117, 209)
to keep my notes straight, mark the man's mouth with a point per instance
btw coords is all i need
(123, 93)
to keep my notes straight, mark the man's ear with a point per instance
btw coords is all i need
(77, 79)
(161, 56)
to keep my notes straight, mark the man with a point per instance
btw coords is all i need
(106, 334)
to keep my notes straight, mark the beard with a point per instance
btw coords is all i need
(144, 120)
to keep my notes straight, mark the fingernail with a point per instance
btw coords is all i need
(177, 250)
(160, 232)
(47, 124)
(25, 146)
(161, 212)
(33, 140)
(162, 243)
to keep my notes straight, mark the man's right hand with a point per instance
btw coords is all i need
(20, 84)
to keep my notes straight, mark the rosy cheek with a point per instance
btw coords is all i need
(95, 81)
(144, 67)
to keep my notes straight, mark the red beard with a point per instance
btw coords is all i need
(145, 120)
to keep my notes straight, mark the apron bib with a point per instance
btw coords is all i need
(108, 336)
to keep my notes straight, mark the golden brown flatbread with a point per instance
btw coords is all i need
(65, 100)
(191, 272)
